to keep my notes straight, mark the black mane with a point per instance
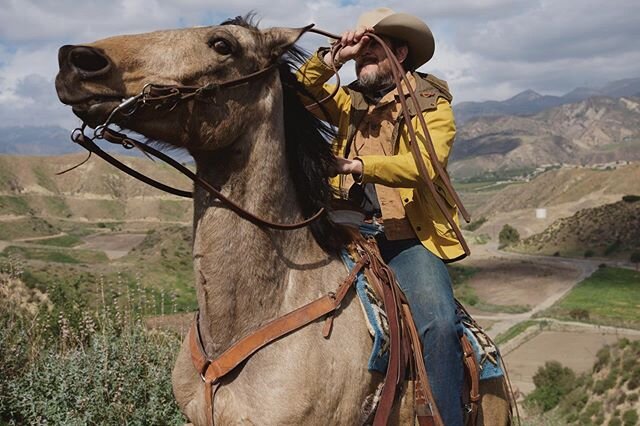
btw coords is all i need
(307, 146)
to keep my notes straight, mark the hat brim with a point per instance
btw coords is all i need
(412, 30)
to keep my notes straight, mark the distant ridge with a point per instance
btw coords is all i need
(36, 140)
(596, 130)
(608, 230)
(530, 102)
(30, 187)
(54, 140)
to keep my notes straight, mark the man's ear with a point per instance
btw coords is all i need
(278, 40)
(401, 53)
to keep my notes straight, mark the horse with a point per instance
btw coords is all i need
(259, 145)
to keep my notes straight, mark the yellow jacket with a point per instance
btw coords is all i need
(398, 170)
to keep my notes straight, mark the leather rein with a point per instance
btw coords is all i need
(401, 81)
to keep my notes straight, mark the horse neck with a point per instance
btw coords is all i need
(242, 271)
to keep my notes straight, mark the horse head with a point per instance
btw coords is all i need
(95, 78)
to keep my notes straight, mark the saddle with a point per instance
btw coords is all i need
(405, 357)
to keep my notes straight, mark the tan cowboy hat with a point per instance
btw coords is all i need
(404, 27)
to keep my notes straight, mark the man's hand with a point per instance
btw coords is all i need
(345, 166)
(353, 42)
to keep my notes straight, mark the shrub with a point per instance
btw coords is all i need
(589, 253)
(634, 380)
(475, 224)
(71, 366)
(621, 398)
(552, 381)
(579, 314)
(602, 358)
(630, 198)
(612, 248)
(508, 235)
(601, 386)
(630, 418)
(116, 379)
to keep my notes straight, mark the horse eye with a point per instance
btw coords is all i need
(221, 46)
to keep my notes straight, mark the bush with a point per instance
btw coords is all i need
(613, 247)
(579, 314)
(475, 224)
(634, 380)
(631, 198)
(589, 253)
(552, 381)
(70, 366)
(508, 236)
(116, 379)
(630, 418)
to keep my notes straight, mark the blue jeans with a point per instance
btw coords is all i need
(425, 281)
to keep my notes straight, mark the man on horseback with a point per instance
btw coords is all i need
(376, 170)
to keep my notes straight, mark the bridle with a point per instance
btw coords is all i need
(165, 97)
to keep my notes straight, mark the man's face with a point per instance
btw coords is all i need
(373, 68)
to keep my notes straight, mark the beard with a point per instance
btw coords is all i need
(374, 81)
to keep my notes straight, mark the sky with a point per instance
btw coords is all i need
(485, 49)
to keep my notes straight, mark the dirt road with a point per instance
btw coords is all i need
(534, 294)
(539, 282)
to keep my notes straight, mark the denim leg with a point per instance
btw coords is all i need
(425, 281)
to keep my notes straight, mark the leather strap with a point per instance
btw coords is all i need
(212, 371)
(473, 378)
(394, 372)
(426, 408)
(399, 78)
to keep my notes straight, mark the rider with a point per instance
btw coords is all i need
(376, 169)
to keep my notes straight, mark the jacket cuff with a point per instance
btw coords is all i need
(370, 166)
(319, 56)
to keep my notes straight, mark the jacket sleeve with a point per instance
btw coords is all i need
(314, 75)
(401, 171)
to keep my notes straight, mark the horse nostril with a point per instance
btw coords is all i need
(90, 61)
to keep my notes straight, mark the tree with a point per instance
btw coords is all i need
(508, 235)
(552, 381)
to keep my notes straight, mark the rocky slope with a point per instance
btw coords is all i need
(562, 186)
(29, 186)
(608, 230)
(593, 131)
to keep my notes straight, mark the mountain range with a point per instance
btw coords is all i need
(530, 102)
(597, 130)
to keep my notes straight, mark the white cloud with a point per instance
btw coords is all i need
(486, 49)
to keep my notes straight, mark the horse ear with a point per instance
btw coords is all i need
(278, 40)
